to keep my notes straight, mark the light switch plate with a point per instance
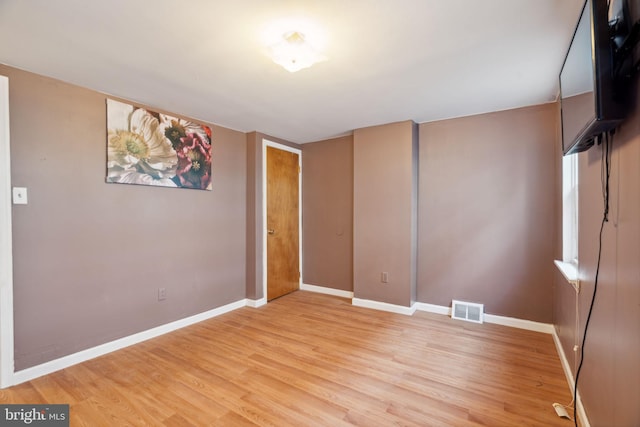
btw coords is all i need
(19, 195)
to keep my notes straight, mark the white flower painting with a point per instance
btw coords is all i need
(148, 148)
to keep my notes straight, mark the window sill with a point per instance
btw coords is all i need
(570, 272)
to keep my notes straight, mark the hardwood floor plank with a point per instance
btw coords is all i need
(317, 410)
(312, 359)
(231, 419)
(177, 420)
(47, 386)
(25, 392)
(322, 388)
(442, 416)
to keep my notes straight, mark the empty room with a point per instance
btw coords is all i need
(320, 213)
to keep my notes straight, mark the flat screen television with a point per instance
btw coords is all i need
(589, 102)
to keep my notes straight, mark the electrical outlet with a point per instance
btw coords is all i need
(384, 277)
(162, 294)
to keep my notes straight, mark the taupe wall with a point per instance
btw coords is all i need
(610, 378)
(384, 209)
(89, 257)
(487, 216)
(254, 252)
(327, 212)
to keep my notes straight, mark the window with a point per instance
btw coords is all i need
(569, 264)
(570, 209)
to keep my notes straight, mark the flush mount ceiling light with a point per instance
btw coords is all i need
(294, 53)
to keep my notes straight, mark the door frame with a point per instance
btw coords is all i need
(266, 143)
(6, 243)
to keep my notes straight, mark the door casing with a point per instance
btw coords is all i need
(266, 143)
(6, 243)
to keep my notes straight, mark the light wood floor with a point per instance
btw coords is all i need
(309, 359)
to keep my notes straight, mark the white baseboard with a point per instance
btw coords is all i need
(546, 328)
(376, 305)
(325, 290)
(582, 415)
(529, 325)
(255, 303)
(100, 350)
(432, 308)
(384, 306)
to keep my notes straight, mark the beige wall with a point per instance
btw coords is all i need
(610, 378)
(487, 217)
(384, 210)
(89, 257)
(327, 211)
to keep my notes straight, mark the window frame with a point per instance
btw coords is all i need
(570, 209)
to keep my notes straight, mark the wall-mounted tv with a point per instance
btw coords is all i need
(589, 101)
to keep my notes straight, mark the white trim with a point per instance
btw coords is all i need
(570, 208)
(6, 243)
(570, 272)
(582, 415)
(529, 325)
(266, 143)
(432, 308)
(563, 359)
(327, 291)
(100, 350)
(384, 306)
(255, 303)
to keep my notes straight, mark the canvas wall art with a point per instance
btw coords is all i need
(149, 148)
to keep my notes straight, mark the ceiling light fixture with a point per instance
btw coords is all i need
(294, 53)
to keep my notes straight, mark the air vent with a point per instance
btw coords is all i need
(469, 311)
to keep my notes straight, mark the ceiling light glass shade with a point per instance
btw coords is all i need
(294, 53)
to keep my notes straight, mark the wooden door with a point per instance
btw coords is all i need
(283, 223)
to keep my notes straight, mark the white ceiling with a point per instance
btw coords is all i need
(388, 60)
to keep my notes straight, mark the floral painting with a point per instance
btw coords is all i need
(148, 148)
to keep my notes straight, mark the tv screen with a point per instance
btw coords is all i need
(586, 81)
